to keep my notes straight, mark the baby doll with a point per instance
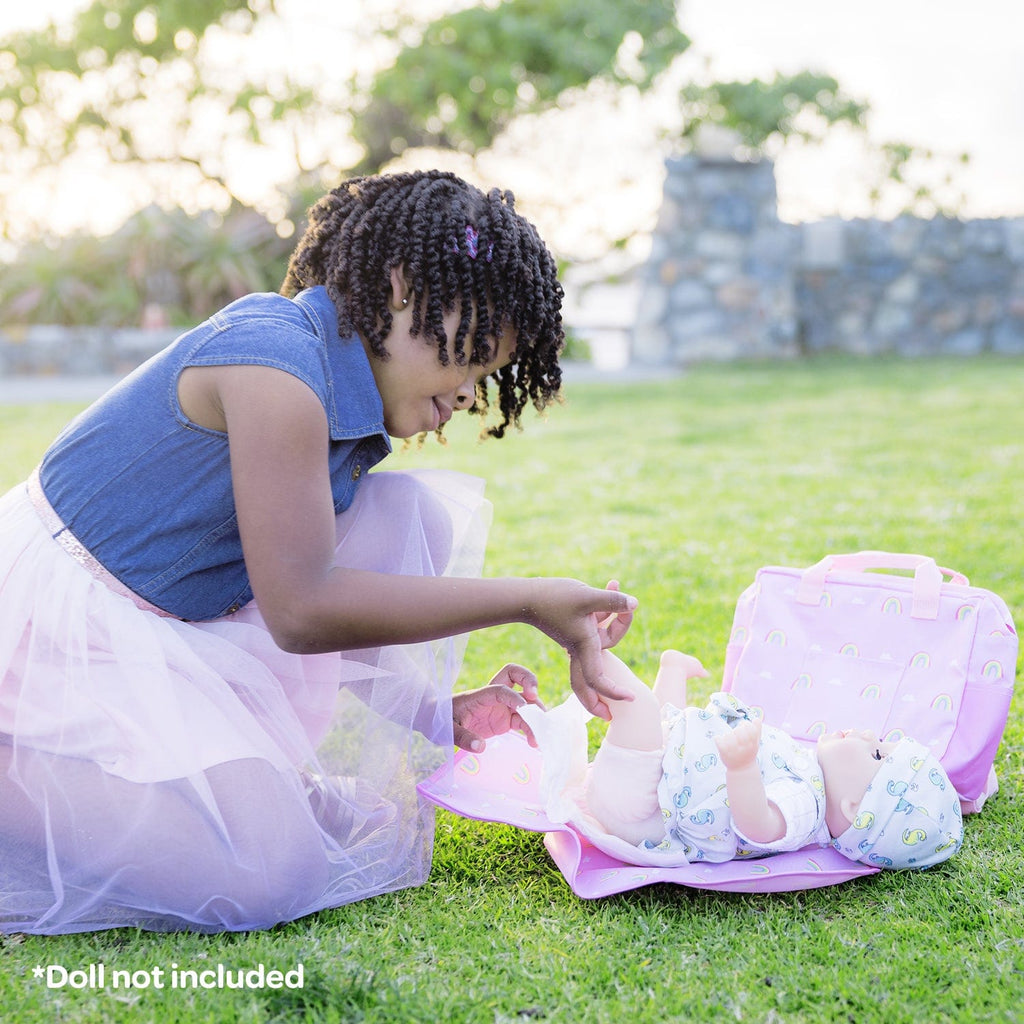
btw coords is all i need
(714, 783)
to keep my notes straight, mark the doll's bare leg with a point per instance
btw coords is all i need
(673, 671)
(635, 724)
(622, 782)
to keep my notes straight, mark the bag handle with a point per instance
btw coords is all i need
(927, 577)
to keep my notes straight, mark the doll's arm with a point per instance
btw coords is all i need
(752, 812)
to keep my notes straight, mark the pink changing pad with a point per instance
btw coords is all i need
(503, 785)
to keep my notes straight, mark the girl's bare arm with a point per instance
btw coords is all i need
(277, 432)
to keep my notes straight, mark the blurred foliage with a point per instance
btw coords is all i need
(927, 180)
(764, 116)
(472, 71)
(161, 267)
(801, 106)
(137, 83)
(134, 81)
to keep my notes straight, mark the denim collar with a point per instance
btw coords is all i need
(354, 406)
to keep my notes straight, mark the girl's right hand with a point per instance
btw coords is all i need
(584, 620)
(614, 626)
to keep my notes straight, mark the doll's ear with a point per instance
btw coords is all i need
(401, 292)
(848, 808)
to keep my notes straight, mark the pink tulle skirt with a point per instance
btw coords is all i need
(166, 774)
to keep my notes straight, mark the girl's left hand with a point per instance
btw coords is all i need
(491, 710)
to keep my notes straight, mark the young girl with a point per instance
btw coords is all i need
(182, 744)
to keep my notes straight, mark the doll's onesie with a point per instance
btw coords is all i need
(687, 780)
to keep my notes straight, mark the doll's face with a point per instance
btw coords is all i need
(849, 760)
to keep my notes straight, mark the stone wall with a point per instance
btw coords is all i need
(727, 279)
(49, 350)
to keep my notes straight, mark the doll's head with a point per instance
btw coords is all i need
(888, 804)
(459, 249)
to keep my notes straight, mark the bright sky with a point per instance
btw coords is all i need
(943, 74)
(938, 73)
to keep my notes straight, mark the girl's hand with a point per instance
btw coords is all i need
(477, 715)
(584, 620)
(613, 627)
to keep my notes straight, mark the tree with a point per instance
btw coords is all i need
(471, 72)
(143, 83)
(139, 83)
(802, 106)
(765, 116)
(165, 89)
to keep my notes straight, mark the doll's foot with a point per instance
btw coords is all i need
(673, 671)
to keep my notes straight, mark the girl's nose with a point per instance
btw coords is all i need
(465, 395)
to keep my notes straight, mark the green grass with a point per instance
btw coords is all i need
(680, 488)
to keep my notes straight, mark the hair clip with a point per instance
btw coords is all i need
(472, 244)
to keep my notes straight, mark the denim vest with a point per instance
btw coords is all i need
(148, 492)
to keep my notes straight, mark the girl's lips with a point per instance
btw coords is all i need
(444, 414)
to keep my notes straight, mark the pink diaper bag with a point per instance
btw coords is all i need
(843, 645)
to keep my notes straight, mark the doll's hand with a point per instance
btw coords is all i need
(738, 747)
(753, 814)
(479, 714)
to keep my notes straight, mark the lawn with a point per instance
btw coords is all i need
(681, 488)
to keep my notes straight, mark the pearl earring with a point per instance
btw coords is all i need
(405, 302)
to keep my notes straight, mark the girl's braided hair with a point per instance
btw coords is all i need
(454, 243)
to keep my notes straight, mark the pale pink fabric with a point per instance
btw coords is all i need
(169, 774)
